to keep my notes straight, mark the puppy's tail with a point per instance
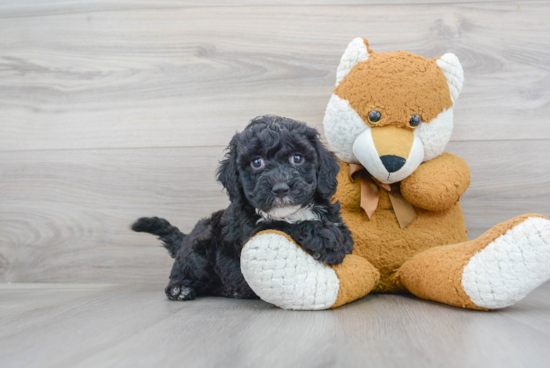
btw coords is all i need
(170, 235)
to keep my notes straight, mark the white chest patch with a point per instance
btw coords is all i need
(290, 214)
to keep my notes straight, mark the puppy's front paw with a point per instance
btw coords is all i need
(331, 257)
(328, 246)
(180, 292)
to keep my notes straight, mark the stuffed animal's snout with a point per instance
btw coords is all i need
(393, 146)
(389, 153)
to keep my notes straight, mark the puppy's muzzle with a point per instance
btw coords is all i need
(280, 189)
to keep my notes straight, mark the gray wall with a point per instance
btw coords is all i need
(112, 111)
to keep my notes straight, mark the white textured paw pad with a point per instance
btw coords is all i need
(283, 274)
(511, 266)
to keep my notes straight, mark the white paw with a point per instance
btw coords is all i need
(283, 274)
(511, 266)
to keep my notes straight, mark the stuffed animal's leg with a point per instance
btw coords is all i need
(493, 271)
(282, 273)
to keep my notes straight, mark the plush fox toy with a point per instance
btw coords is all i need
(389, 120)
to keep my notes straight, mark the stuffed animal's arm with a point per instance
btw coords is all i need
(282, 273)
(437, 184)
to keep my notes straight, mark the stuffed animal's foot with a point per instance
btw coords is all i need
(282, 273)
(493, 271)
(510, 266)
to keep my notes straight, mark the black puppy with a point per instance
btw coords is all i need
(278, 176)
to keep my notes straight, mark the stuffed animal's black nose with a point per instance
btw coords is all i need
(392, 163)
(280, 189)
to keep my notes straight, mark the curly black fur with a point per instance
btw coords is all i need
(207, 261)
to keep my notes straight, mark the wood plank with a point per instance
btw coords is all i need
(98, 76)
(32, 8)
(76, 209)
(17, 314)
(534, 310)
(135, 325)
(64, 215)
(508, 179)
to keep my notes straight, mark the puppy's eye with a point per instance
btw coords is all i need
(296, 159)
(415, 121)
(374, 116)
(258, 163)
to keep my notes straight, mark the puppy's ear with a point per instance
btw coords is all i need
(327, 171)
(228, 173)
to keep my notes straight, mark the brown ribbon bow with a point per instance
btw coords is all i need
(370, 196)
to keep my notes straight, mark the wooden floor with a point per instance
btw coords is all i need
(112, 110)
(71, 325)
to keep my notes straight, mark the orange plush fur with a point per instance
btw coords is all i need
(383, 243)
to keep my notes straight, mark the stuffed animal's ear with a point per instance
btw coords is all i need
(450, 65)
(327, 171)
(357, 51)
(228, 172)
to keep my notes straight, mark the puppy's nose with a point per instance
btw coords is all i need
(280, 189)
(392, 163)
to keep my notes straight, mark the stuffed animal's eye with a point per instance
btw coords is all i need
(257, 163)
(415, 121)
(296, 159)
(374, 116)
